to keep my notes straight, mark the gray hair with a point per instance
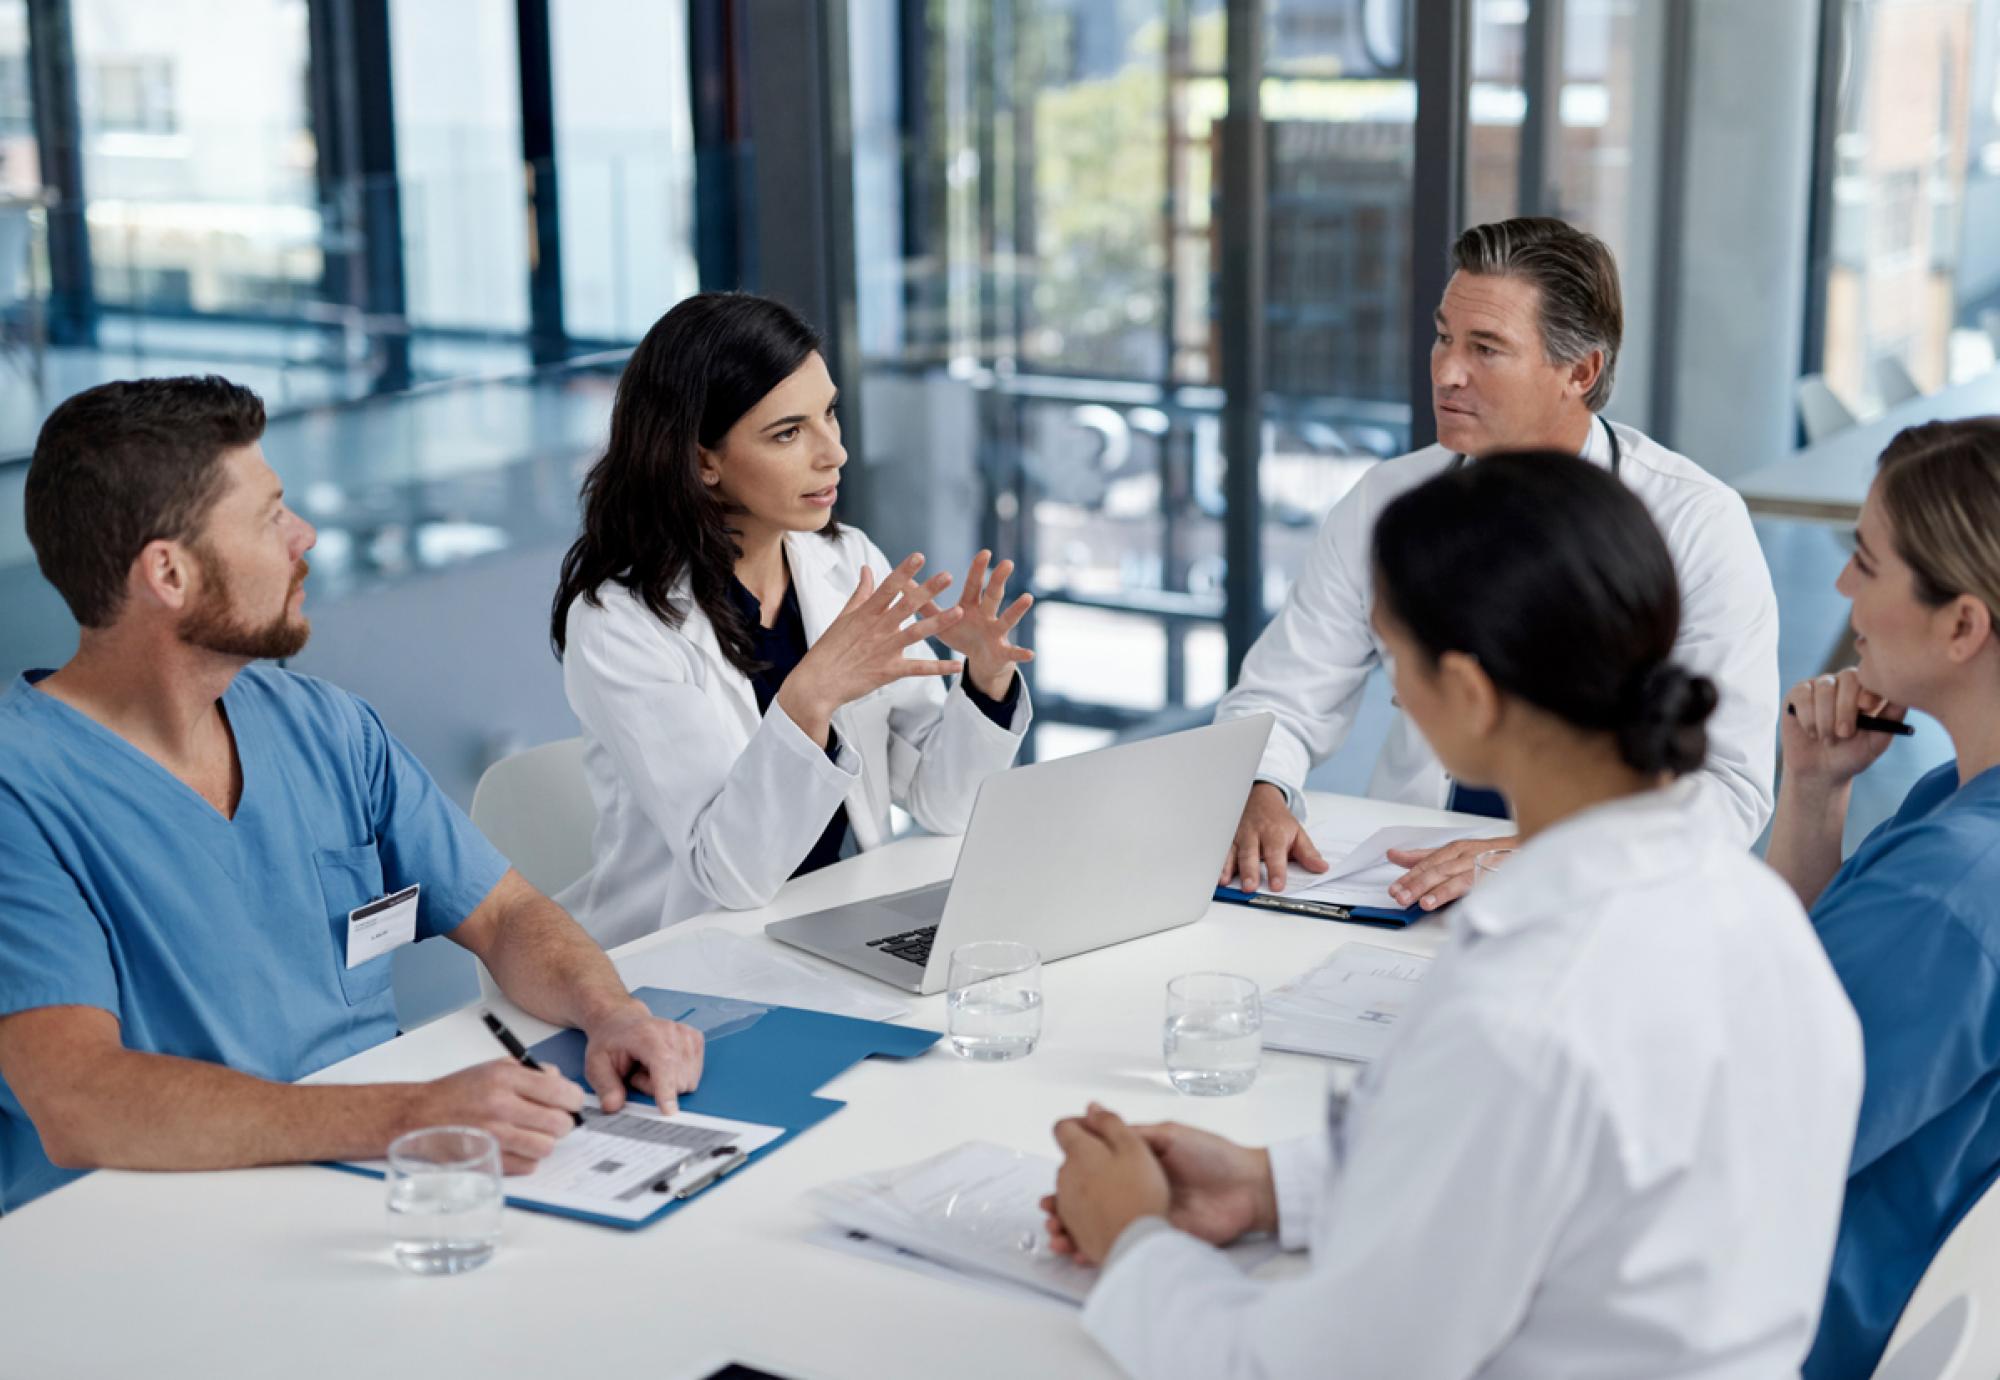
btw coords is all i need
(1581, 307)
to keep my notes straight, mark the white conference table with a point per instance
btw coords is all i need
(287, 1270)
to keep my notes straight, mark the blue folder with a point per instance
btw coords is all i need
(763, 1064)
(1321, 910)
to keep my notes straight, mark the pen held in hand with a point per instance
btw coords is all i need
(1871, 723)
(517, 1051)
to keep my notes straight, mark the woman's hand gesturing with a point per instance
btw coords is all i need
(862, 650)
(980, 636)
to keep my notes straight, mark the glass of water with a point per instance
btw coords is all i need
(1484, 865)
(444, 1199)
(993, 1004)
(1214, 1034)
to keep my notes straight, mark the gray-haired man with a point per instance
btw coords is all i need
(1527, 345)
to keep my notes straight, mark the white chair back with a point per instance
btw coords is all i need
(1821, 411)
(1893, 381)
(1937, 1350)
(1968, 1265)
(535, 807)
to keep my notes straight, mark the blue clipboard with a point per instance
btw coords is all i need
(1322, 910)
(762, 1064)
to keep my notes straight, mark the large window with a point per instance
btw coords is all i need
(1044, 177)
(625, 150)
(20, 170)
(1913, 283)
(198, 154)
(457, 89)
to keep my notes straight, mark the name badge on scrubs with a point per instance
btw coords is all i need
(381, 925)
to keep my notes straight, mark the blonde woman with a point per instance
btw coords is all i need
(1912, 919)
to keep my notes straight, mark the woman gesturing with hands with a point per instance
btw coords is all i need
(981, 631)
(870, 644)
(751, 676)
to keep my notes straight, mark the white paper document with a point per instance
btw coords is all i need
(628, 1164)
(1347, 1007)
(1360, 872)
(974, 1210)
(723, 964)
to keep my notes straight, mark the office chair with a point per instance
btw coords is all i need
(1821, 411)
(535, 807)
(1966, 1267)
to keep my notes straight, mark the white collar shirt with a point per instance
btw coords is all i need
(1309, 666)
(1609, 1140)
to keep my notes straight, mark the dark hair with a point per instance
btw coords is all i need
(1552, 575)
(1940, 488)
(124, 464)
(647, 517)
(1581, 307)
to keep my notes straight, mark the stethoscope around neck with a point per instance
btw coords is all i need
(1611, 435)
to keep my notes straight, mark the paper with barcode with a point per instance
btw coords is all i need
(625, 1164)
(1347, 1007)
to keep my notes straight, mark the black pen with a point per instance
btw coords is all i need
(1871, 723)
(517, 1050)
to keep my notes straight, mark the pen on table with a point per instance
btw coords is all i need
(517, 1050)
(1871, 723)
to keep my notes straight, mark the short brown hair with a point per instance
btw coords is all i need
(124, 464)
(1940, 488)
(1582, 308)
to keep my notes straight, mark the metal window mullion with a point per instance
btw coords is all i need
(1440, 46)
(58, 116)
(1245, 253)
(1539, 171)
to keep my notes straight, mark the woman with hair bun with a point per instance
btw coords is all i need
(1610, 1136)
(1912, 919)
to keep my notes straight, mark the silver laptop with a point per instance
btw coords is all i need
(1067, 856)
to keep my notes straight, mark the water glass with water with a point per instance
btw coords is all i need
(1214, 1036)
(444, 1199)
(993, 1003)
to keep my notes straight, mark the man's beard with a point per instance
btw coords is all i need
(215, 626)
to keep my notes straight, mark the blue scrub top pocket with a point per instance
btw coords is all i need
(348, 878)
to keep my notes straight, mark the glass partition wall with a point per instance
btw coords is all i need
(1039, 214)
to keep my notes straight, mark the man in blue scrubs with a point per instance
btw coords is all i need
(190, 844)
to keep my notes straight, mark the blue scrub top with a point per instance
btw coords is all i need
(213, 938)
(1912, 924)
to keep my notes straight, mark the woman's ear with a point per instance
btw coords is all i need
(708, 465)
(1469, 693)
(1969, 625)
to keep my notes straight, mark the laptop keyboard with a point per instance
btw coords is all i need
(913, 947)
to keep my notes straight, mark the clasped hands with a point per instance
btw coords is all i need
(1114, 1173)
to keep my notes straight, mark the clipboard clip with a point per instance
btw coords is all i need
(1325, 910)
(708, 1166)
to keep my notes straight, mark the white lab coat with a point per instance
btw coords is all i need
(701, 801)
(1610, 1140)
(1310, 665)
